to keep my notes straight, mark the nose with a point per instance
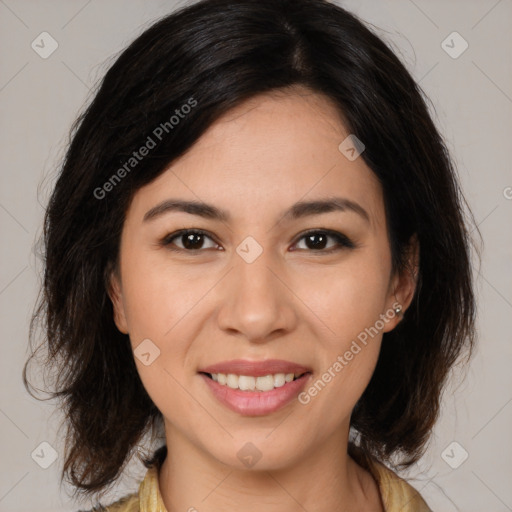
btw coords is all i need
(256, 303)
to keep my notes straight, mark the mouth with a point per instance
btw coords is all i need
(255, 388)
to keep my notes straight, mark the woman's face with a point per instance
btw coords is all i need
(268, 278)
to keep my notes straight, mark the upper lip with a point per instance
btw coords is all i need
(256, 368)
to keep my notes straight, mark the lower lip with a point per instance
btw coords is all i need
(256, 403)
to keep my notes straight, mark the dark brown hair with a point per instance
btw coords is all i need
(219, 53)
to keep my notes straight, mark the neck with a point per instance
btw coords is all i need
(325, 479)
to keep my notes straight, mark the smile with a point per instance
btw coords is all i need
(253, 383)
(255, 388)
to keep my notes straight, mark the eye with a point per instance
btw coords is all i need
(190, 240)
(193, 240)
(317, 241)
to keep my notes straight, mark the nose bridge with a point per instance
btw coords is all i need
(257, 303)
(256, 278)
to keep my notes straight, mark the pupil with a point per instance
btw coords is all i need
(192, 241)
(318, 245)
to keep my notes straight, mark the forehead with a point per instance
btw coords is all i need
(268, 153)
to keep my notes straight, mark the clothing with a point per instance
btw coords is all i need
(397, 495)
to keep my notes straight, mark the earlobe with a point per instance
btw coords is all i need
(116, 296)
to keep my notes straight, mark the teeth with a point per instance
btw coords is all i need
(280, 379)
(265, 383)
(246, 383)
(232, 381)
(250, 383)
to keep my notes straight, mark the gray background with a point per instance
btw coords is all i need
(472, 104)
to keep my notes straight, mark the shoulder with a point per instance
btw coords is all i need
(129, 503)
(397, 494)
(148, 493)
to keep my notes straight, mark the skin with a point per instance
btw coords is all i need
(305, 305)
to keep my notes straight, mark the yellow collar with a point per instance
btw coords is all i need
(397, 495)
(150, 499)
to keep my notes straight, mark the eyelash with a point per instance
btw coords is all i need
(342, 240)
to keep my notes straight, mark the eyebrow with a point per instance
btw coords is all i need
(298, 210)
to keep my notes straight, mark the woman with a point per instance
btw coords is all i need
(256, 248)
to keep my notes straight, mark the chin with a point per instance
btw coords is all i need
(254, 451)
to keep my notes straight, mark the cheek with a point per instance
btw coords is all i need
(332, 395)
(165, 306)
(348, 302)
(158, 296)
(347, 356)
(349, 297)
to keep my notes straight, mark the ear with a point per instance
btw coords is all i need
(403, 285)
(116, 296)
